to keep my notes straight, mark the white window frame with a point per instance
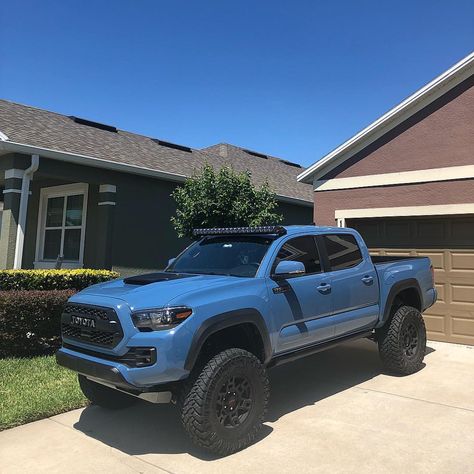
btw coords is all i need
(60, 191)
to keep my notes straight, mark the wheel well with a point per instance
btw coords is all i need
(407, 297)
(244, 336)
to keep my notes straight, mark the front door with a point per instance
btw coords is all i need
(301, 304)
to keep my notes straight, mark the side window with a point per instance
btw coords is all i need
(300, 249)
(343, 251)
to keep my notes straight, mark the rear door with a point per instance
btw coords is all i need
(301, 304)
(355, 290)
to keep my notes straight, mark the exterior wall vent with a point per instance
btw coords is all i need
(90, 123)
(254, 153)
(172, 145)
(290, 163)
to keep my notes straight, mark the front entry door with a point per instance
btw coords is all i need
(301, 305)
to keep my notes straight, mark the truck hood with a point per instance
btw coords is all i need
(154, 290)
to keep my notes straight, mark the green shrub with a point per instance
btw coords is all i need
(52, 279)
(30, 321)
(223, 198)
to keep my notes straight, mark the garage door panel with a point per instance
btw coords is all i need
(437, 259)
(431, 230)
(463, 328)
(399, 230)
(397, 253)
(462, 261)
(435, 324)
(461, 230)
(440, 288)
(462, 294)
(449, 243)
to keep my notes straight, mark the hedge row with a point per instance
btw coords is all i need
(52, 279)
(30, 321)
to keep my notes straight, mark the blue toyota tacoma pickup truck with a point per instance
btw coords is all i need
(203, 332)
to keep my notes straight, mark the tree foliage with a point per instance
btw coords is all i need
(223, 198)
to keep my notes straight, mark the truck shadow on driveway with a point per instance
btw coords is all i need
(147, 428)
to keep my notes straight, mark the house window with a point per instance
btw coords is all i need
(61, 226)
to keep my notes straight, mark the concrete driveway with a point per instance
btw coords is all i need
(334, 411)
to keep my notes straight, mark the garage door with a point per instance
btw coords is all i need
(449, 243)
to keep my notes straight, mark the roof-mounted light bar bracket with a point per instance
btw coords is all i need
(264, 229)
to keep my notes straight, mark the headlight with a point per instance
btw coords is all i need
(160, 318)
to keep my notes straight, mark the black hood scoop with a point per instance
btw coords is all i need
(154, 278)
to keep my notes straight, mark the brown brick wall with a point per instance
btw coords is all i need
(439, 193)
(440, 135)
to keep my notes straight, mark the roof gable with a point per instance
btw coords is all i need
(394, 117)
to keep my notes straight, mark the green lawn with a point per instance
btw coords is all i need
(31, 389)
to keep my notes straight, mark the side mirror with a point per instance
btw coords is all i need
(289, 267)
(171, 261)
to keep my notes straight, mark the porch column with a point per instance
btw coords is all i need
(106, 217)
(11, 209)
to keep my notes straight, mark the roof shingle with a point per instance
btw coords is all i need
(44, 129)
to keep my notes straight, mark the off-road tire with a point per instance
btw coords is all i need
(402, 341)
(103, 396)
(206, 405)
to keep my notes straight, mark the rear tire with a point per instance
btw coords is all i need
(223, 411)
(402, 342)
(103, 396)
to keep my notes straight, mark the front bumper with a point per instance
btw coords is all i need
(109, 373)
(96, 370)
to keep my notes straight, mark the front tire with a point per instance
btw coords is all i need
(103, 396)
(402, 342)
(223, 411)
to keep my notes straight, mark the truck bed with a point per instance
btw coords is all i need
(390, 258)
(394, 269)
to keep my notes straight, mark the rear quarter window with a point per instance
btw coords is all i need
(343, 251)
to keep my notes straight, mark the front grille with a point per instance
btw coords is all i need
(102, 338)
(107, 331)
(92, 311)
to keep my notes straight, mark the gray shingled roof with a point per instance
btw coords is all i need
(44, 129)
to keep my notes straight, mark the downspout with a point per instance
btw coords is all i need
(25, 192)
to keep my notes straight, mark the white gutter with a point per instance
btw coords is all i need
(292, 200)
(25, 192)
(89, 161)
(434, 89)
(114, 166)
(3, 137)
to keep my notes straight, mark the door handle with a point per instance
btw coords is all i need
(324, 288)
(367, 279)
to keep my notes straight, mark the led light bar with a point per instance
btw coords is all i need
(263, 229)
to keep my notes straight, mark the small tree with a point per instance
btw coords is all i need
(223, 198)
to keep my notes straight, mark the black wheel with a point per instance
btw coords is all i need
(402, 343)
(104, 396)
(224, 409)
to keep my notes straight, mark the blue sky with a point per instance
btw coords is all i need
(290, 78)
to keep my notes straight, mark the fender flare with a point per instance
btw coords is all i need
(409, 283)
(225, 320)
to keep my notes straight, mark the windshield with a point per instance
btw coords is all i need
(231, 255)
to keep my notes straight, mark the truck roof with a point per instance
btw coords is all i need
(294, 229)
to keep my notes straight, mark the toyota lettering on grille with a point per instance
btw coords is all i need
(83, 322)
